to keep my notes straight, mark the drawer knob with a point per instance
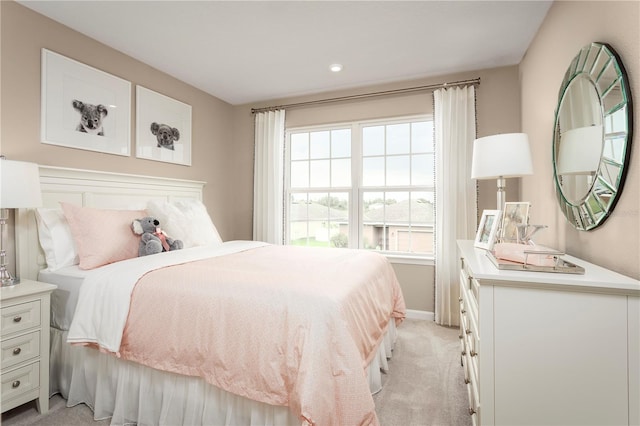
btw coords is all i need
(473, 353)
(460, 336)
(15, 384)
(463, 311)
(17, 318)
(17, 351)
(468, 331)
(471, 411)
(459, 299)
(467, 381)
(464, 353)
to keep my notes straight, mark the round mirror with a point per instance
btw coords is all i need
(592, 136)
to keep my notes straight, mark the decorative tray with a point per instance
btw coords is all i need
(561, 266)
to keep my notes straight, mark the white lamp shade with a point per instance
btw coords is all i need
(579, 151)
(19, 185)
(501, 156)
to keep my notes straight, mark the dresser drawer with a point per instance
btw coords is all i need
(471, 380)
(20, 381)
(469, 288)
(472, 334)
(20, 317)
(19, 349)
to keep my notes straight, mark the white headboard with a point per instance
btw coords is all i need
(91, 188)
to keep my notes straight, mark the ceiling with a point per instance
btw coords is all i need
(250, 51)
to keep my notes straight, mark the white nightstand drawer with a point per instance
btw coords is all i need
(19, 381)
(24, 344)
(20, 317)
(21, 348)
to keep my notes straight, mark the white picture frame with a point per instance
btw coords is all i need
(159, 120)
(488, 229)
(83, 107)
(514, 214)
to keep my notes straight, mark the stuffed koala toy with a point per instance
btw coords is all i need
(91, 117)
(152, 239)
(165, 134)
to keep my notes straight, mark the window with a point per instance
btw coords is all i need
(367, 185)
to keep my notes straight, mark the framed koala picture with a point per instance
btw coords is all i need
(163, 128)
(83, 107)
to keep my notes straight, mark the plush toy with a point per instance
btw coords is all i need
(152, 239)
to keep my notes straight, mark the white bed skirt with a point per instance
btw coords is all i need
(131, 393)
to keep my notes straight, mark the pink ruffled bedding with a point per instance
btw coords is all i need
(282, 325)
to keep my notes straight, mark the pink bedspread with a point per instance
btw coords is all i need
(283, 325)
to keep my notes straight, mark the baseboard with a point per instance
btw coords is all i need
(420, 315)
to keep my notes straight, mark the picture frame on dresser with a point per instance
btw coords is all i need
(488, 229)
(514, 214)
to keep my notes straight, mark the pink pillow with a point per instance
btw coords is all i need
(102, 236)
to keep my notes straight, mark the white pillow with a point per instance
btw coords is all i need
(186, 220)
(56, 239)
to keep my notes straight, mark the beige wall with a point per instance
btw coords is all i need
(567, 28)
(498, 110)
(24, 33)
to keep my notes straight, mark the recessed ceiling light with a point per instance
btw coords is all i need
(336, 67)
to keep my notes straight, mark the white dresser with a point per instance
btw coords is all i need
(25, 312)
(546, 348)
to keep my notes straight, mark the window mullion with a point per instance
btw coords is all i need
(355, 208)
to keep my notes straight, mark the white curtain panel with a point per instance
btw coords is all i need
(455, 130)
(268, 177)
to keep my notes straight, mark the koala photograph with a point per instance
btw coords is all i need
(91, 117)
(163, 128)
(165, 135)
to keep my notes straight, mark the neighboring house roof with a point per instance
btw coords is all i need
(315, 211)
(421, 212)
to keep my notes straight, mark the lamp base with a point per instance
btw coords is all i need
(6, 279)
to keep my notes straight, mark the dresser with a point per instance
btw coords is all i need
(25, 312)
(543, 348)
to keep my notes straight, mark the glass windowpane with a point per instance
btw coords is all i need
(398, 170)
(341, 172)
(373, 141)
(319, 173)
(300, 146)
(319, 145)
(421, 137)
(422, 169)
(299, 174)
(341, 143)
(398, 139)
(373, 171)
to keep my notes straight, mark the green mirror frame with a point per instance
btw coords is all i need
(594, 111)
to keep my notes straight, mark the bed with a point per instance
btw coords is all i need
(237, 332)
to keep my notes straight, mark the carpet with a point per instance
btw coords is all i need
(424, 387)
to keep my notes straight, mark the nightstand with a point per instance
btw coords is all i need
(25, 344)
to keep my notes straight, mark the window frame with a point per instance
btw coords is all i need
(356, 191)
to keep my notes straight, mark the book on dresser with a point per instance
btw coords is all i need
(542, 348)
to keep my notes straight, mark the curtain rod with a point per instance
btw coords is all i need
(474, 82)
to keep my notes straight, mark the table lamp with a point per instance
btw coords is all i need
(499, 157)
(19, 188)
